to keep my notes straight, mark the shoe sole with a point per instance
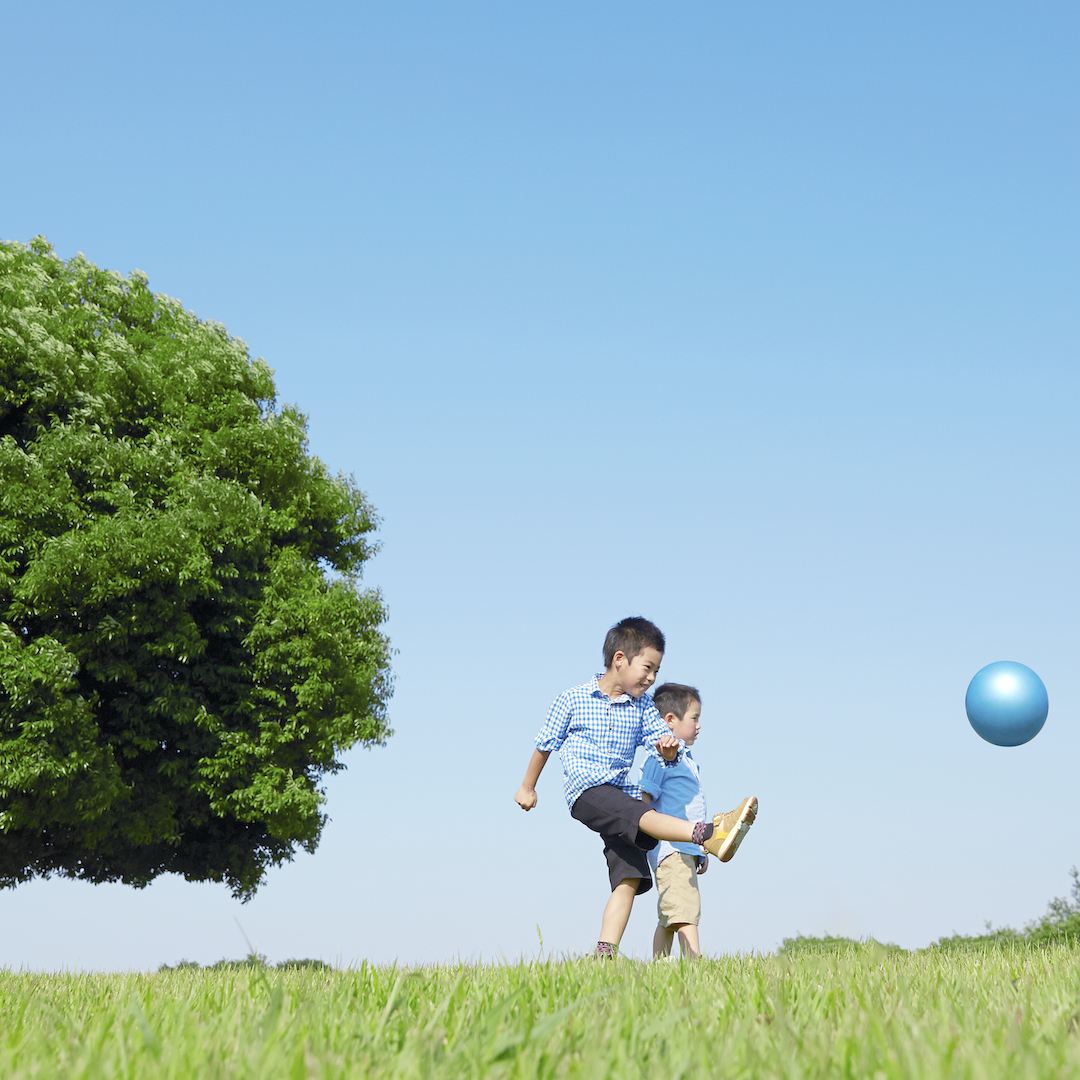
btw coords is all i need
(742, 827)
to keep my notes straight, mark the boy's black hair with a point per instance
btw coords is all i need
(630, 637)
(674, 697)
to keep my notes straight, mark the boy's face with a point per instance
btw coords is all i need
(688, 726)
(637, 675)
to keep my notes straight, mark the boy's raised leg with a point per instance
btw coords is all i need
(666, 827)
(617, 912)
(720, 838)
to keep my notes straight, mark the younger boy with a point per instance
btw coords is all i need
(676, 790)
(596, 727)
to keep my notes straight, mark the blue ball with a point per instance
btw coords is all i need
(1006, 703)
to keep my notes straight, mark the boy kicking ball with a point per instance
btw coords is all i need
(596, 727)
(676, 791)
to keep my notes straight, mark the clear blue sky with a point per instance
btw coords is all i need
(758, 319)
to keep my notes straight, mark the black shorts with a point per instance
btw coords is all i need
(613, 814)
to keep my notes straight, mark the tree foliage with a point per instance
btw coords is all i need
(1059, 926)
(185, 649)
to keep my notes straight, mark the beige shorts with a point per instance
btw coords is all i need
(676, 882)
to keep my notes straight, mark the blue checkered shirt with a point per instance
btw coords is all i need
(596, 737)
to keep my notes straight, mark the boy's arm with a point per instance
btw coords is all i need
(526, 794)
(551, 737)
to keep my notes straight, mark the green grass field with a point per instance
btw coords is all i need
(1008, 1011)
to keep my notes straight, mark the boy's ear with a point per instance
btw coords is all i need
(670, 720)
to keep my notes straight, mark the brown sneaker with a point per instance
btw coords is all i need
(730, 828)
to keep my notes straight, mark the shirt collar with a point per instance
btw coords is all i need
(600, 693)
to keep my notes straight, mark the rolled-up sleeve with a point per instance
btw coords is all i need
(553, 734)
(652, 728)
(650, 777)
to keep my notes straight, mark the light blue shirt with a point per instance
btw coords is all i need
(596, 737)
(675, 790)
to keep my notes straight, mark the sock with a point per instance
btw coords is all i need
(606, 950)
(702, 831)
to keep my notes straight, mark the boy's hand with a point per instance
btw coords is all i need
(668, 746)
(525, 797)
(703, 864)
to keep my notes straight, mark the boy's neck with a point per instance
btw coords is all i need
(609, 684)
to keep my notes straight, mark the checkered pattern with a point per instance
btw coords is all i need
(596, 737)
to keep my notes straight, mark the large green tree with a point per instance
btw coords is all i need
(185, 649)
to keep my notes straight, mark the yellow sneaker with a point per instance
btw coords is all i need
(730, 828)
